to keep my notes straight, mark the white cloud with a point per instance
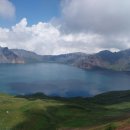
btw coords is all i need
(88, 26)
(109, 19)
(7, 9)
(44, 38)
(100, 16)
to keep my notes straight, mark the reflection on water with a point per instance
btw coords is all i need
(54, 88)
(60, 80)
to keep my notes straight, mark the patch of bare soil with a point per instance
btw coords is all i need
(124, 128)
(75, 129)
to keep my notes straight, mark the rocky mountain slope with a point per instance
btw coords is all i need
(28, 56)
(7, 56)
(119, 61)
(108, 60)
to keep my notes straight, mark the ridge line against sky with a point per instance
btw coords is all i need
(65, 26)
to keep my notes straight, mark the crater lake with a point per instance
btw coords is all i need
(59, 80)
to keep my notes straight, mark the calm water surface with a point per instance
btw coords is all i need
(59, 80)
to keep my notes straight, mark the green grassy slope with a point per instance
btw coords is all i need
(39, 112)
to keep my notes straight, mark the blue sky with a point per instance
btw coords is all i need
(65, 26)
(34, 11)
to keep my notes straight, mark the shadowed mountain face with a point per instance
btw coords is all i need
(28, 56)
(7, 56)
(119, 61)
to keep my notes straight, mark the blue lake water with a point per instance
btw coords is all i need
(59, 80)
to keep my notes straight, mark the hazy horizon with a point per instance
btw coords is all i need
(65, 53)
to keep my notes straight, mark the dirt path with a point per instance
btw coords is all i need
(124, 128)
(76, 129)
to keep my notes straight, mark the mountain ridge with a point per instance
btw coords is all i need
(7, 56)
(119, 61)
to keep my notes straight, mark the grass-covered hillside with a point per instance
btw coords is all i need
(108, 111)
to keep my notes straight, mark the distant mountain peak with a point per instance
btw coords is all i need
(104, 59)
(7, 56)
(105, 52)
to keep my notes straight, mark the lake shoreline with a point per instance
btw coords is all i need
(42, 95)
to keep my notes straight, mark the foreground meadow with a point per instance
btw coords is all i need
(109, 111)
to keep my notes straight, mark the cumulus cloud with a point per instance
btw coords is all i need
(100, 16)
(108, 18)
(88, 26)
(7, 9)
(44, 38)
